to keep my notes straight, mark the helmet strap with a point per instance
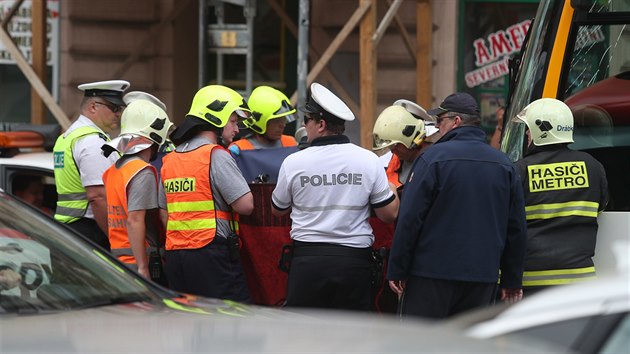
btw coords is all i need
(220, 137)
(154, 152)
(417, 141)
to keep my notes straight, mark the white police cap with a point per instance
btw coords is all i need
(111, 90)
(415, 110)
(140, 95)
(322, 100)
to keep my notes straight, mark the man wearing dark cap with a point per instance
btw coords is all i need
(461, 221)
(79, 163)
(329, 189)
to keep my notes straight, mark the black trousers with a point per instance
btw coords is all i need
(207, 271)
(334, 281)
(89, 228)
(438, 298)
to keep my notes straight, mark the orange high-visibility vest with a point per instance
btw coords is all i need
(116, 181)
(393, 169)
(245, 144)
(192, 217)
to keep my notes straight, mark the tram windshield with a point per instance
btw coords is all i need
(594, 81)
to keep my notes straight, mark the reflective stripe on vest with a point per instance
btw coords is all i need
(557, 277)
(206, 223)
(392, 170)
(556, 210)
(116, 181)
(191, 211)
(72, 203)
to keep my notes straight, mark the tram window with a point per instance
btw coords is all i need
(597, 88)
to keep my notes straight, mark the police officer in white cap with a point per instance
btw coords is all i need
(329, 189)
(79, 163)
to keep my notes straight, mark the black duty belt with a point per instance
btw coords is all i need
(329, 249)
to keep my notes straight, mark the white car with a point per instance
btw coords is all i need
(22, 154)
(61, 294)
(589, 317)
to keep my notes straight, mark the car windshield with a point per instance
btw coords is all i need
(44, 267)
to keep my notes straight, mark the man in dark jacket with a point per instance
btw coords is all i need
(461, 221)
(564, 192)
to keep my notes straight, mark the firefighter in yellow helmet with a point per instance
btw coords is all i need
(260, 153)
(407, 130)
(564, 192)
(135, 228)
(204, 189)
(271, 111)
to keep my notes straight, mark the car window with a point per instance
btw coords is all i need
(33, 186)
(584, 334)
(45, 267)
(619, 340)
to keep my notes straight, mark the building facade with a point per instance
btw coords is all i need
(156, 45)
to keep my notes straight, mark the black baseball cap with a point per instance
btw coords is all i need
(459, 102)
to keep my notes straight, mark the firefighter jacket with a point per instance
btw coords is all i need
(192, 215)
(246, 144)
(564, 192)
(116, 182)
(73, 202)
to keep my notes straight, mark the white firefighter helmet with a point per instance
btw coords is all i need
(143, 123)
(429, 121)
(415, 110)
(549, 120)
(141, 95)
(396, 125)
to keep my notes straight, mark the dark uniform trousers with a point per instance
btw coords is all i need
(185, 267)
(324, 275)
(439, 298)
(90, 229)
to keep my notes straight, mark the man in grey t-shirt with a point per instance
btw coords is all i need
(203, 187)
(131, 187)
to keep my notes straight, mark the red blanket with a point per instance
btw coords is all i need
(263, 236)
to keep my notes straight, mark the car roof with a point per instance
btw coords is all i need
(43, 160)
(116, 329)
(607, 295)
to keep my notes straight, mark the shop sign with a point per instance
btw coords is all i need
(492, 53)
(20, 30)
